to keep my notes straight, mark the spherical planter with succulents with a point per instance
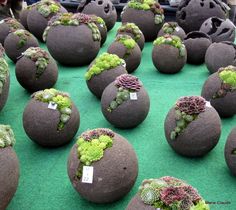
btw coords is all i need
(73, 39)
(230, 151)
(51, 119)
(104, 71)
(36, 70)
(172, 28)
(219, 29)
(101, 8)
(7, 26)
(112, 164)
(126, 48)
(196, 44)
(17, 42)
(125, 103)
(40, 14)
(9, 167)
(167, 193)
(146, 14)
(132, 30)
(219, 55)
(24, 14)
(192, 13)
(220, 90)
(169, 54)
(192, 127)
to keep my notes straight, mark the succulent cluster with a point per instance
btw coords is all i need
(130, 28)
(146, 5)
(169, 28)
(174, 41)
(98, 20)
(170, 193)
(227, 76)
(40, 57)
(2, 50)
(62, 101)
(127, 41)
(47, 8)
(4, 72)
(126, 83)
(7, 137)
(104, 62)
(12, 23)
(187, 110)
(70, 19)
(23, 37)
(91, 146)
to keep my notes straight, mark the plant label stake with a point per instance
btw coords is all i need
(52, 105)
(87, 174)
(133, 96)
(177, 28)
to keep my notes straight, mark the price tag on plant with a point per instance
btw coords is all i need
(87, 176)
(52, 105)
(177, 28)
(101, 25)
(208, 104)
(133, 96)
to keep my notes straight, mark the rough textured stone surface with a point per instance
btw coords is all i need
(4, 94)
(23, 18)
(136, 203)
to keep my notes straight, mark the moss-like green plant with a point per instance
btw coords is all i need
(7, 137)
(128, 43)
(169, 28)
(12, 23)
(99, 20)
(4, 73)
(174, 41)
(40, 57)
(48, 7)
(104, 62)
(132, 29)
(61, 99)
(24, 36)
(201, 205)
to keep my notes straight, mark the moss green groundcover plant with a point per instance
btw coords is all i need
(4, 73)
(7, 137)
(131, 28)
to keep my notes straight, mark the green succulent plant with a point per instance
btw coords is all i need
(169, 28)
(201, 205)
(131, 28)
(149, 195)
(47, 7)
(4, 73)
(23, 36)
(12, 23)
(7, 137)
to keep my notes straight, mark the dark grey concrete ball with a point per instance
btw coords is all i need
(219, 29)
(11, 45)
(167, 60)
(136, 203)
(178, 32)
(200, 136)
(72, 45)
(98, 83)
(132, 60)
(26, 75)
(230, 148)
(192, 13)
(225, 106)
(219, 55)
(130, 113)
(114, 175)
(145, 20)
(5, 92)
(196, 44)
(103, 32)
(23, 17)
(9, 175)
(40, 124)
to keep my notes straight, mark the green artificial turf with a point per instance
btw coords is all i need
(44, 184)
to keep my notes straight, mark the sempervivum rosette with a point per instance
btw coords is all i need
(172, 28)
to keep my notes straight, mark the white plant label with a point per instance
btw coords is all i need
(208, 104)
(133, 96)
(101, 25)
(52, 105)
(177, 28)
(87, 176)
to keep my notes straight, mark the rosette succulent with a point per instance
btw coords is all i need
(174, 41)
(47, 8)
(2, 50)
(98, 20)
(7, 137)
(60, 100)
(4, 73)
(104, 62)
(40, 57)
(187, 110)
(91, 146)
(23, 37)
(170, 193)
(12, 23)
(127, 42)
(132, 29)
(169, 28)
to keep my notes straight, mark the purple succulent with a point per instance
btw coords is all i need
(129, 82)
(83, 18)
(96, 133)
(193, 193)
(172, 194)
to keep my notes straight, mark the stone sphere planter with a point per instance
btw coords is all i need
(7, 26)
(101, 8)
(17, 42)
(172, 28)
(105, 149)
(219, 29)
(39, 16)
(24, 14)
(126, 48)
(73, 40)
(36, 70)
(4, 82)
(192, 127)
(104, 71)
(219, 55)
(9, 167)
(191, 14)
(169, 54)
(230, 151)
(50, 119)
(196, 44)
(149, 17)
(125, 103)
(164, 192)
(132, 30)
(219, 89)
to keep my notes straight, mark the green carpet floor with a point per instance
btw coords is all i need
(44, 184)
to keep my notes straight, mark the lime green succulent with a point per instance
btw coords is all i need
(23, 36)
(132, 29)
(228, 76)
(201, 205)
(7, 137)
(4, 73)
(128, 43)
(47, 7)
